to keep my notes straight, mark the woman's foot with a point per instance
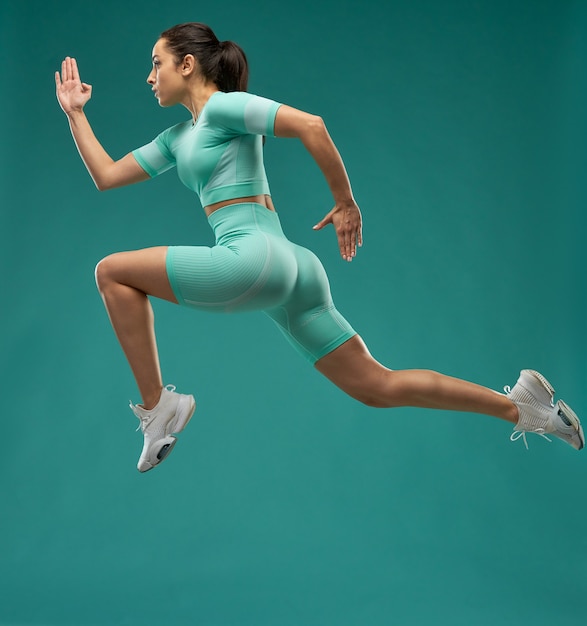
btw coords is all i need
(170, 415)
(533, 395)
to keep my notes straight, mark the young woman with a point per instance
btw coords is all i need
(218, 153)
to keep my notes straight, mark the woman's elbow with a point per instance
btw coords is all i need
(316, 124)
(102, 185)
(105, 182)
(314, 128)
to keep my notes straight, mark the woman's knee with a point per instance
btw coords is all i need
(392, 389)
(105, 272)
(142, 270)
(352, 368)
(379, 388)
(374, 389)
(373, 401)
(378, 395)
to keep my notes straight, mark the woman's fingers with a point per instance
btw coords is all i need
(353, 245)
(69, 70)
(350, 230)
(344, 235)
(74, 70)
(64, 71)
(350, 246)
(344, 246)
(72, 94)
(327, 219)
(348, 226)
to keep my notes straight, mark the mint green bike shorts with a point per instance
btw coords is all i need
(253, 266)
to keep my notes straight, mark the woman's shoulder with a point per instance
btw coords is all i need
(232, 95)
(221, 99)
(179, 128)
(175, 132)
(241, 112)
(228, 98)
(232, 102)
(224, 105)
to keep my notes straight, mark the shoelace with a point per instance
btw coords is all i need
(517, 434)
(522, 433)
(144, 421)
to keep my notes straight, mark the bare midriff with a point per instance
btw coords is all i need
(262, 200)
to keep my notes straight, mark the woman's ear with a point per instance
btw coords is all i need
(188, 65)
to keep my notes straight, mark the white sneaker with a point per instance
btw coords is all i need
(172, 413)
(533, 395)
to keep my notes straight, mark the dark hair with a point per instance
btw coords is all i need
(224, 63)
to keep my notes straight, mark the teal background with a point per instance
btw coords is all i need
(285, 503)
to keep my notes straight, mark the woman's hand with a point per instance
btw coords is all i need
(347, 222)
(71, 92)
(346, 216)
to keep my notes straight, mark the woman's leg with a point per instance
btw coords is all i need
(352, 368)
(125, 280)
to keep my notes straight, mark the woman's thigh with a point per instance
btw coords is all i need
(144, 270)
(254, 272)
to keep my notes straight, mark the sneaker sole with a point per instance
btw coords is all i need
(162, 453)
(570, 415)
(165, 450)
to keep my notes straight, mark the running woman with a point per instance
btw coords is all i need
(218, 153)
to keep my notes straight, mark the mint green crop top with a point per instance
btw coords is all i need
(220, 157)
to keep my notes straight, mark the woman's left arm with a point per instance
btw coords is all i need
(345, 216)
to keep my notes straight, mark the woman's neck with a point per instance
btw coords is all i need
(196, 97)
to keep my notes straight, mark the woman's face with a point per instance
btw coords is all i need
(166, 77)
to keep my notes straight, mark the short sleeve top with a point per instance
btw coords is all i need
(220, 157)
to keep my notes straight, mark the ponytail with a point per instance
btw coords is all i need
(223, 63)
(233, 68)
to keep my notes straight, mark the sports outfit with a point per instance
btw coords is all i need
(253, 266)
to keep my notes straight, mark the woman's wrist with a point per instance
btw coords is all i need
(346, 202)
(74, 114)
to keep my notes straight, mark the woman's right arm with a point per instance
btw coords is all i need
(106, 173)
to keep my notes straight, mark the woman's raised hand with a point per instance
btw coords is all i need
(348, 225)
(71, 92)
